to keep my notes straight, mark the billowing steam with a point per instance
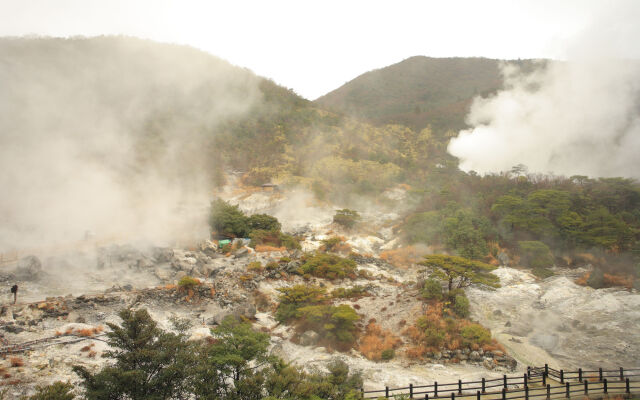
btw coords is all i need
(577, 117)
(111, 136)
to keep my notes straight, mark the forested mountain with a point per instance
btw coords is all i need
(419, 91)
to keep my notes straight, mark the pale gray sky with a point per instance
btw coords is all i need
(316, 46)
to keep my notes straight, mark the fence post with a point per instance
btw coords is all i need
(386, 392)
(621, 374)
(435, 389)
(544, 379)
(459, 386)
(504, 378)
(483, 385)
(568, 390)
(561, 376)
(546, 369)
(586, 387)
(362, 393)
(524, 380)
(528, 371)
(579, 374)
(526, 392)
(548, 391)
(504, 393)
(600, 374)
(627, 387)
(453, 396)
(426, 396)
(411, 390)
(605, 385)
(478, 395)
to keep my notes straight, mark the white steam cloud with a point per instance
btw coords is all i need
(577, 117)
(111, 136)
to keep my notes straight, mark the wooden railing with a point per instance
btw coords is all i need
(540, 382)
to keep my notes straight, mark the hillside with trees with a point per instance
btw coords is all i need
(419, 91)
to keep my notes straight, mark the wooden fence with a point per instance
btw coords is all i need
(538, 383)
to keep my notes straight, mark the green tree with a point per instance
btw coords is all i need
(227, 219)
(293, 298)
(460, 272)
(263, 222)
(55, 391)
(346, 217)
(535, 254)
(465, 234)
(149, 363)
(230, 367)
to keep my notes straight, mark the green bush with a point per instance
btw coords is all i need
(291, 299)
(475, 333)
(461, 306)
(255, 266)
(227, 219)
(55, 391)
(432, 290)
(331, 243)
(335, 324)
(187, 282)
(329, 266)
(346, 217)
(263, 222)
(542, 273)
(388, 354)
(349, 293)
(273, 238)
(272, 266)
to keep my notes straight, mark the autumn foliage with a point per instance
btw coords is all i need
(376, 341)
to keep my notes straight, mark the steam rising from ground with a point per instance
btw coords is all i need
(576, 117)
(110, 135)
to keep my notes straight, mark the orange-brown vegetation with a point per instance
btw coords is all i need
(609, 280)
(261, 248)
(16, 361)
(376, 340)
(87, 348)
(403, 257)
(92, 354)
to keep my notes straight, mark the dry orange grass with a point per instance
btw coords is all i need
(403, 257)
(609, 280)
(376, 340)
(16, 361)
(261, 248)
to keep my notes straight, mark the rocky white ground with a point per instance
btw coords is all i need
(552, 321)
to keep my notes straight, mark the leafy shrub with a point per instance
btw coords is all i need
(276, 239)
(542, 273)
(187, 282)
(475, 334)
(346, 217)
(349, 293)
(272, 266)
(376, 341)
(329, 266)
(284, 260)
(432, 290)
(335, 324)
(227, 219)
(291, 299)
(55, 391)
(461, 306)
(255, 266)
(388, 354)
(335, 244)
(263, 222)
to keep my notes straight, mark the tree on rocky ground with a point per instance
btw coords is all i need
(55, 391)
(460, 272)
(149, 363)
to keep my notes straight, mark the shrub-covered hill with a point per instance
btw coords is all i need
(146, 111)
(419, 91)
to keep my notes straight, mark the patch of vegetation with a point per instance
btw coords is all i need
(354, 292)
(292, 299)
(346, 217)
(55, 391)
(274, 239)
(377, 344)
(334, 324)
(255, 266)
(335, 244)
(460, 272)
(431, 289)
(149, 363)
(329, 266)
(188, 282)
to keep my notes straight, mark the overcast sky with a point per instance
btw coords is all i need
(314, 47)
